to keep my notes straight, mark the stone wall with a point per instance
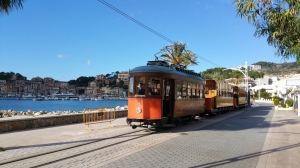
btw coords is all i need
(12, 124)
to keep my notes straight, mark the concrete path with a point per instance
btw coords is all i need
(282, 143)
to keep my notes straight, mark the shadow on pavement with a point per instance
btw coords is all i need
(256, 154)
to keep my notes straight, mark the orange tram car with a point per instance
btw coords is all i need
(161, 94)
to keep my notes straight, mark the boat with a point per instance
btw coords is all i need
(63, 96)
(29, 96)
(37, 99)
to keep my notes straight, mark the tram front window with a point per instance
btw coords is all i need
(140, 85)
(141, 89)
(154, 86)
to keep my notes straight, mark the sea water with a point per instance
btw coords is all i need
(58, 105)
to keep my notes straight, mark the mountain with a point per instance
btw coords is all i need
(270, 68)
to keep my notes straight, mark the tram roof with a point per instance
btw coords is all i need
(167, 69)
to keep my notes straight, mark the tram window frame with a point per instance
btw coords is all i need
(137, 81)
(184, 90)
(131, 84)
(154, 84)
(204, 91)
(178, 89)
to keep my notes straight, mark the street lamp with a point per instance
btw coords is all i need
(245, 73)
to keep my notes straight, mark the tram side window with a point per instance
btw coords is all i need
(184, 89)
(178, 84)
(140, 85)
(189, 90)
(197, 91)
(193, 85)
(131, 83)
(154, 86)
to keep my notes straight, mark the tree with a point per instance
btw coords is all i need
(220, 74)
(237, 75)
(177, 55)
(263, 94)
(81, 91)
(255, 74)
(7, 6)
(277, 20)
(82, 81)
(121, 83)
(125, 87)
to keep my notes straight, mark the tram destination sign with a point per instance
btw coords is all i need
(293, 82)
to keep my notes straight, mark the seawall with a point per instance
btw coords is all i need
(16, 124)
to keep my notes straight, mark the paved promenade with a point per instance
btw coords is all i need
(253, 137)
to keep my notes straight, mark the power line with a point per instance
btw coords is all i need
(144, 26)
(135, 21)
(209, 61)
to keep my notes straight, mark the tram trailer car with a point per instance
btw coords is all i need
(219, 97)
(170, 94)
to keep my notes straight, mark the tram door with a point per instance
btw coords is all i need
(168, 97)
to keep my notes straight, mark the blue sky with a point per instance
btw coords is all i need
(66, 39)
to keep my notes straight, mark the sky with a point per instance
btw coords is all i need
(66, 39)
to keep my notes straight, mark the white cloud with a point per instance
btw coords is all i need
(61, 56)
(88, 63)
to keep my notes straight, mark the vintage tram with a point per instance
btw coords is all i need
(220, 96)
(161, 94)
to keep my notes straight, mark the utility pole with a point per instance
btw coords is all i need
(245, 73)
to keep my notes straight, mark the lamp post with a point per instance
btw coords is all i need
(245, 73)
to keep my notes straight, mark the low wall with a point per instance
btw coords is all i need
(12, 124)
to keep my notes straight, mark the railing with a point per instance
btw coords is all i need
(98, 115)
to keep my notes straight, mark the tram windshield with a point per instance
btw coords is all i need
(140, 85)
(154, 86)
(144, 86)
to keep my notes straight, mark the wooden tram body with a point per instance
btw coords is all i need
(171, 94)
(219, 96)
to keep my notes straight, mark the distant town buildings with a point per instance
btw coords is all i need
(251, 67)
(47, 87)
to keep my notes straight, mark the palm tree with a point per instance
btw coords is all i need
(8, 5)
(177, 55)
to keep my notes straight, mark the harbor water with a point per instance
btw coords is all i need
(58, 105)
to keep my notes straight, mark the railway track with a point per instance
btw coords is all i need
(103, 149)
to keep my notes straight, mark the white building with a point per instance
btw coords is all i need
(277, 86)
(124, 77)
(255, 67)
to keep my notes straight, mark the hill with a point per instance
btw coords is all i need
(270, 68)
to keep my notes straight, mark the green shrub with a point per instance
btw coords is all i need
(282, 104)
(289, 102)
(276, 102)
(277, 98)
(1, 149)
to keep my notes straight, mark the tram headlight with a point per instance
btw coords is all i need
(138, 110)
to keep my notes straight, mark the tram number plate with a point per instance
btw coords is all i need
(100, 114)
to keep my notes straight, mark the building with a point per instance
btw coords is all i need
(2, 82)
(255, 67)
(124, 75)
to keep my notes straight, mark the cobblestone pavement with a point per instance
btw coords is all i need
(232, 142)
(234, 139)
